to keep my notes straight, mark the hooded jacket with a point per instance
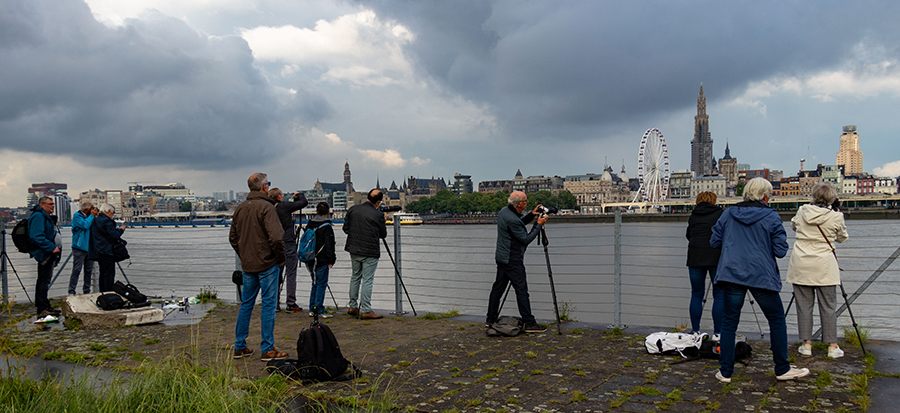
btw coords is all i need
(324, 241)
(812, 262)
(81, 230)
(364, 226)
(751, 236)
(285, 210)
(256, 234)
(104, 234)
(42, 233)
(699, 229)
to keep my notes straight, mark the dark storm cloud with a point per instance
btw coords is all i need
(153, 92)
(551, 68)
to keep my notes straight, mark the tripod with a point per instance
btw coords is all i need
(397, 272)
(544, 241)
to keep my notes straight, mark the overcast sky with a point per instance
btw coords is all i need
(100, 93)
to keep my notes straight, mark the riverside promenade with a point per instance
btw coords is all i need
(449, 365)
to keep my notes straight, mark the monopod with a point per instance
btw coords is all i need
(397, 272)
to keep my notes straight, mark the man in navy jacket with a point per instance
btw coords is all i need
(46, 248)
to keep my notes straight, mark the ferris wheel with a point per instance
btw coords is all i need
(653, 167)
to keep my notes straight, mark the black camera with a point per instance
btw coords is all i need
(548, 210)
(391, 208)
(836, 205)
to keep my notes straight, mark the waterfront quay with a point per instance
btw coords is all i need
(450, 365)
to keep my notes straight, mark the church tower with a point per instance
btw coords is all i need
(702, 160)
(347, 182)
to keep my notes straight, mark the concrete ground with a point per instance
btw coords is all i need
(449, 365)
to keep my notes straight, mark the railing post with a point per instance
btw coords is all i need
(398, 288)
(617, 278)
(3, 262)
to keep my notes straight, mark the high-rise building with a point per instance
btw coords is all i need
(850, 156)
(462, 184)
(702, 160)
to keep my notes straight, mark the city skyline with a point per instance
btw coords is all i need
(207, 93)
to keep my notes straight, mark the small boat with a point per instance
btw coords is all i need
(406, 218)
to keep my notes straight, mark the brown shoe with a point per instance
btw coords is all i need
(370, 316)
(353, 311)
(239, 354)
(273, 355)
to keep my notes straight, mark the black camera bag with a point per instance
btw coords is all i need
(130, 292)
(110, 301)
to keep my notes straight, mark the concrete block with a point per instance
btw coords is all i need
(83, 308)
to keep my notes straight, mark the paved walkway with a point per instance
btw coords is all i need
(449, 365)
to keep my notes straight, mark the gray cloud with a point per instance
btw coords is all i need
(152, 92)
(589, 66)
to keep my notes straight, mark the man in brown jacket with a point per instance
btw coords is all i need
(256, 236)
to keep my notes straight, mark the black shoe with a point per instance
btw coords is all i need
(294, 308)
(535, 328)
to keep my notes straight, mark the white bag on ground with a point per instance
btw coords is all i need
(684, 344)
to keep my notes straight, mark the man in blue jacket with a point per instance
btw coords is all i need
(512, 239)
(752, 236)
(46, 246)
(81, 241)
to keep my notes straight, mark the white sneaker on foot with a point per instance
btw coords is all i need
(722, 378)
(805, 349)
(835, 352)
(793, 373)
(717, 337)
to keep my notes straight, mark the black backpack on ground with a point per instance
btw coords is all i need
(110, 301)
(130, 292)
(319, 357)
(20, 236)
(710, 349)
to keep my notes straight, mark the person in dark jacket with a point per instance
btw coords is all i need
(325, 259)
(258, 239)
(285, 210)
(752, 236)
(104, 235)
(46, 249)
(512, 239)
(702, 259)
(365, 227)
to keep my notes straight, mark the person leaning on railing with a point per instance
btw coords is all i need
(813, 269)
(751, 236)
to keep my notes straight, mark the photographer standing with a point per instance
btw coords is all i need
(285, 210)
(46, 248)
(512, 239)
(104, 236)
(364, 226)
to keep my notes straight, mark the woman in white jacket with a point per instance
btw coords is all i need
(813, 269)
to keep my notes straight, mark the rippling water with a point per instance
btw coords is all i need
(451, 267)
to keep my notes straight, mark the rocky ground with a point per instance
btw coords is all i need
(447, 365)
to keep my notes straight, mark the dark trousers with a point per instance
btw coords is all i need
(107, 274)
(510, 273)
(42, 286)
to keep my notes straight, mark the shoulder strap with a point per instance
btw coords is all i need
(829, 245)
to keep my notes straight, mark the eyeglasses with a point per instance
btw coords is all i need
(268, 183)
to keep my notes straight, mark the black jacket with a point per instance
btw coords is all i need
(364, 226)
(324, 242)
(285, 210)
(699, 229)
(103, 234)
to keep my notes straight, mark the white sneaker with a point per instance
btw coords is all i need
(835, 352)
(806, 349)
(717, 337)
(793, 373)
(722, 378)
(325, 315)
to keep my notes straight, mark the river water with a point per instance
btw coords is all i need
(451, 267)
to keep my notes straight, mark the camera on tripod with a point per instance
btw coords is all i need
(545, 210)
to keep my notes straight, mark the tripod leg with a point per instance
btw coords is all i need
(9, 261)
(852, 319)
(552, 286)
(789, 305)
(508, 286)
(397, 272)
(758, 325)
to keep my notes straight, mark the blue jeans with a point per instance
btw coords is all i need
(319, 284)
(80, 261)
(361, 282)
(770, 303)
(267, 281)
(698, 285)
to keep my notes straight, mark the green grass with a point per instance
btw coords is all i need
(851, 338)
(207, 294)
(151, 341)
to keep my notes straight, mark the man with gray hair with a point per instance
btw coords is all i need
(104, 236)
(258, 239)
(46, 248)
(81, 242)
(512, 239)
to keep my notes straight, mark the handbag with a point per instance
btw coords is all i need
(120, 252)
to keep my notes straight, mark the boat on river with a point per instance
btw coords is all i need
(406, 218)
